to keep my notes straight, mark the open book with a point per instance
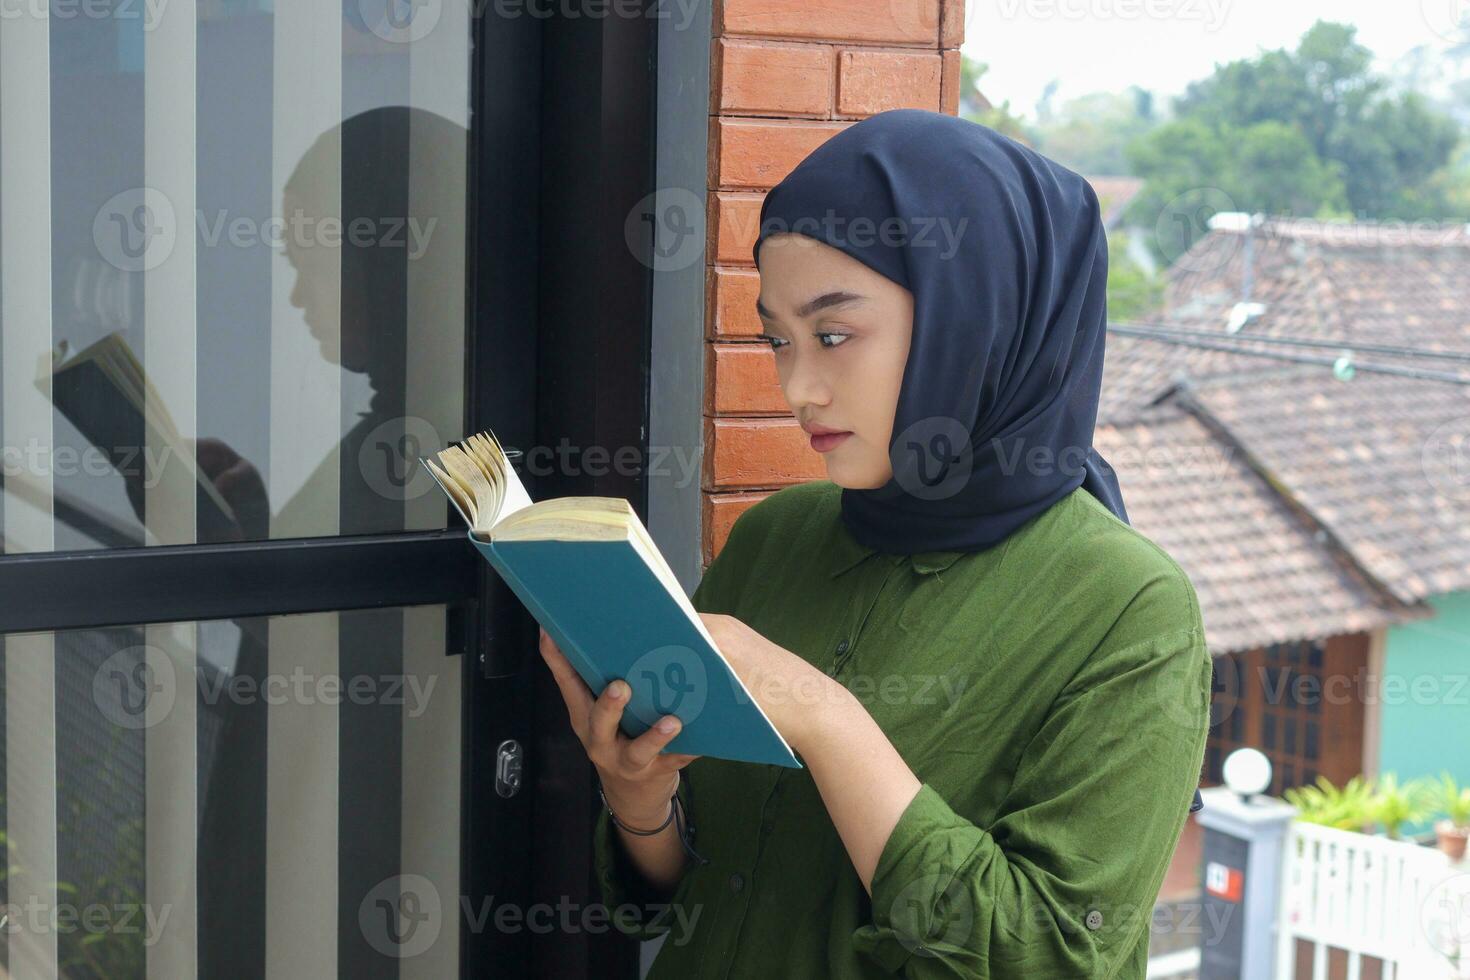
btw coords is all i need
(589, 572)
(103, 391)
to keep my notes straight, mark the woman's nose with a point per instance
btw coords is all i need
(805, 384)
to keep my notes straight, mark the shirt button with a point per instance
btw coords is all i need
(842, 647)
(737, 881)
(1094, 920)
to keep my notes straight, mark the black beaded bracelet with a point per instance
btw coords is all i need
(676, 813)
(631, 830)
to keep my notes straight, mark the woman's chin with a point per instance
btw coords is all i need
(849, 477)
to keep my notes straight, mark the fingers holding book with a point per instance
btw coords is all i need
(239, 482)
(634, 770)
(595, 719)
(574, 690)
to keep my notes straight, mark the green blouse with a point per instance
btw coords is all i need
(1051, 694)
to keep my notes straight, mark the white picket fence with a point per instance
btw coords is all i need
(1369, 896)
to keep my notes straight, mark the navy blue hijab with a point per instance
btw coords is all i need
(1005, 255)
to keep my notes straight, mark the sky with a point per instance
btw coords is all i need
(1162, 45)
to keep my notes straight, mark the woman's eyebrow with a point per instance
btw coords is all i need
(822, 302)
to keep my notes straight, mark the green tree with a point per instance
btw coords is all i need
(1192, 169)
(1090, 134)
(1133, 292)
(1272, 165)
(975, 107)
(1310, 133)
(1389, 158)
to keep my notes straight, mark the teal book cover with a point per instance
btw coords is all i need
(613, 616)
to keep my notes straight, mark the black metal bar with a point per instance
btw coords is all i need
(592, 388)
(502, 271)
(93, 589)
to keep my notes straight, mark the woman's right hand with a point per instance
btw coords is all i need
(638, 779)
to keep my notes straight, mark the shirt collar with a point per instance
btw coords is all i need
(847, 554)
(934, 561)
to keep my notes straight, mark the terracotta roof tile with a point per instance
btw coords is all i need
(1260, 575)
(1302, 505)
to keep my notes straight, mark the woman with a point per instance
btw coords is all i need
(999, 690)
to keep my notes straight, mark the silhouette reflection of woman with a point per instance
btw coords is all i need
(364, 328)
(361, 486)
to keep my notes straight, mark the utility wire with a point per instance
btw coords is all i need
(1155, 329)
(1336, 364)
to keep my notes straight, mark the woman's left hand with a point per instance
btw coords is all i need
(789, 690)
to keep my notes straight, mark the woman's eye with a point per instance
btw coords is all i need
(776, 343)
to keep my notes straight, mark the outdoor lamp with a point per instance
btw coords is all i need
(1247, 772)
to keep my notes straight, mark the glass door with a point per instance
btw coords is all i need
(234, 311)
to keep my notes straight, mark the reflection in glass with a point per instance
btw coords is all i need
(232, 798)
(234, 271)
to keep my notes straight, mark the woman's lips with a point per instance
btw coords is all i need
(829, 442)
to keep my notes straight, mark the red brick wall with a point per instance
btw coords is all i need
(784, 77)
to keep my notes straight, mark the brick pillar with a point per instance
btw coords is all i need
(784, 77)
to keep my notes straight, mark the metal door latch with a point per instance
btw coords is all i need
(508, 758)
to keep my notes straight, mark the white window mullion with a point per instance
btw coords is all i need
(25, 415)
(431, 771)
(170, 341)
(302, 776)
(438, 142)
(306, 386)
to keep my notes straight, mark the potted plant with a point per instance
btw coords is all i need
(1454, 829)
(1394, 804)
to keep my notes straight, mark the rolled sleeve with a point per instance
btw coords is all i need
(633, 908)
(919, 902)
(1062, 883)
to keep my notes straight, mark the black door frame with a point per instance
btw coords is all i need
(592, 367)
(558, 301)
